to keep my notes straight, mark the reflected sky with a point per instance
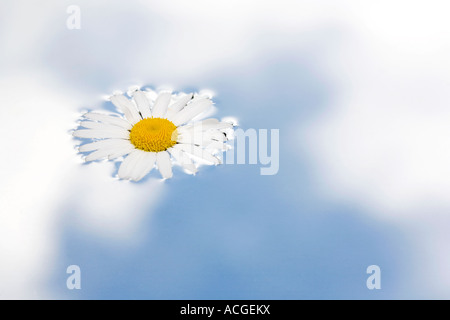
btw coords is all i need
(228, 232)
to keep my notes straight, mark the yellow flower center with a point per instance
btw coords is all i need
(153, 134)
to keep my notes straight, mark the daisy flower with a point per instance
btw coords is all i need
(155, 129)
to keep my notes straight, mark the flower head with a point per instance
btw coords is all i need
(155, 129)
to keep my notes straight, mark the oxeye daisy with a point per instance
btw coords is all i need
(154, 129)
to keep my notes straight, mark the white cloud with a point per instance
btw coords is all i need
(384, 142)
(111, 209)
(34, 161)
(43, 185)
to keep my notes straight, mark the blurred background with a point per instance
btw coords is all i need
(358, 89)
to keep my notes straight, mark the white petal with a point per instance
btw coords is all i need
(217, 145)
(215, 135)
(98, 125)
(107, 151)
(129, 163)
(200, 125)
(164, 164)
(198, 152)
(196, 138)
(91, 124)
(183, 160)
(103, 144)
(211, 126)
(122, 151)
(210, 123)
(139, 166)
(96, 155)
(169, 114)
(161, 104)
(180, 103)
(151, 95)
(143, 104)
(220, 126)
(194, 108)
(127, 107)
(145, 165)
(199, 137)
(224, 125)
(109, 120)
(118, 133)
